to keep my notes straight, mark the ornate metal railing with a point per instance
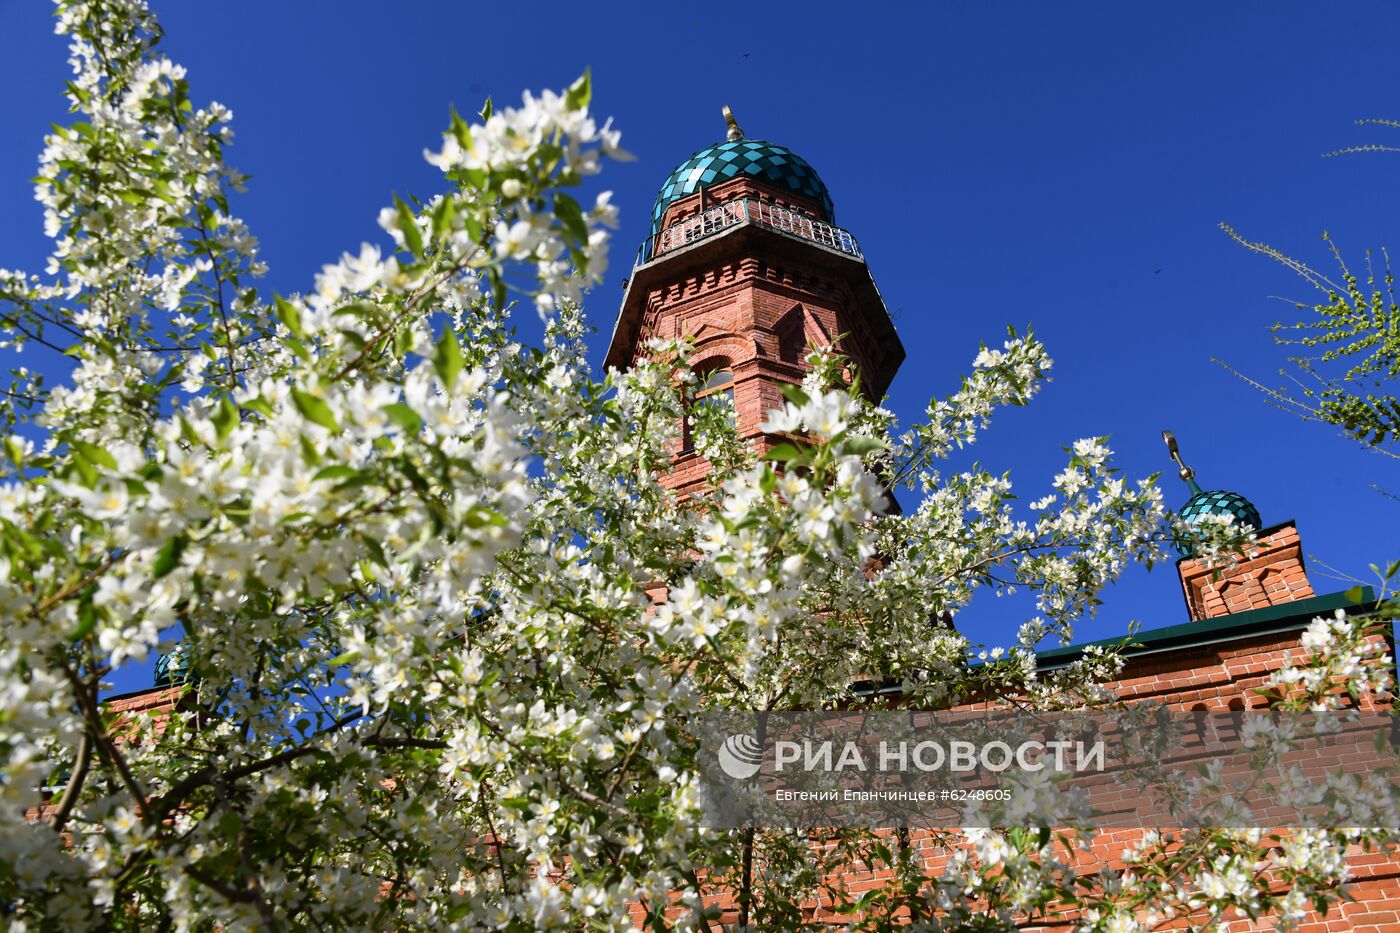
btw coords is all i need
(747, 211)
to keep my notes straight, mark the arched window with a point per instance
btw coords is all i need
(791, 329)
(716, 387)
(717, 382)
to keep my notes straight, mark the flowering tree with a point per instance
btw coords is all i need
(1350, 356)
(408, 556)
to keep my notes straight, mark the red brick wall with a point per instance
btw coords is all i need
(1223, 676)
(157, 700)
(1217, 677)
(1226, 676)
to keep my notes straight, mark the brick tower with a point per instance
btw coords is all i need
(745, 260)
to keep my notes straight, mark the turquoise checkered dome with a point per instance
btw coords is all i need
(1217, 502)
(760, 160)
(1205, 502)
(175, 667)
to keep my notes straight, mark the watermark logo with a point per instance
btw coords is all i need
(740, 756)
(1138, 767)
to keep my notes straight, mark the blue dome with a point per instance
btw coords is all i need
(174, 667)
(763, 161)
(1219, 502)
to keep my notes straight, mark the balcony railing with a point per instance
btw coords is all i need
(747, 211)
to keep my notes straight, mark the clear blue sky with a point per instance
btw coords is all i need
(1063, 164)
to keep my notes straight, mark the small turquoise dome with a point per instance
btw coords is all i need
(1218, 502)
(174, 667)
(763, 161)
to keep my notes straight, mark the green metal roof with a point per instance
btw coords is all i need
(763, 161)
(1294, 615)
(1281, 618)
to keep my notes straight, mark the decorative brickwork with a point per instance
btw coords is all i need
(752, 300)
(1273, 574)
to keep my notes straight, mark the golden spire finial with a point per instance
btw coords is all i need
(735, 134)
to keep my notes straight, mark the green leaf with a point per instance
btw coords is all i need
(376, 551)
(168, 557)
(225, 417)
(343, 659)
(568, 211)
(580, 92)
(187, 431)
(404, 417)
(337, 471)
(486, 109)
(461, 130)
(289, 314)
(473, 227)
(783, 452)
(315, 410)
(498, 288)
(87, 473)
(21, 540)
(408, 226)
(414, 477)
(360, 479)
(862, 444)
(447, 358)
(519, 804)
(354, 338)
(474, 177)
(363, 310)
(438, 518)
(442, 217)
(87, 621)
(478, 516)
(298, 349)
(794, 394)
(94, 454)
(579, 260)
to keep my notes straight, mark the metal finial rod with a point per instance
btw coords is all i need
(1187, 474)
(735, 133)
